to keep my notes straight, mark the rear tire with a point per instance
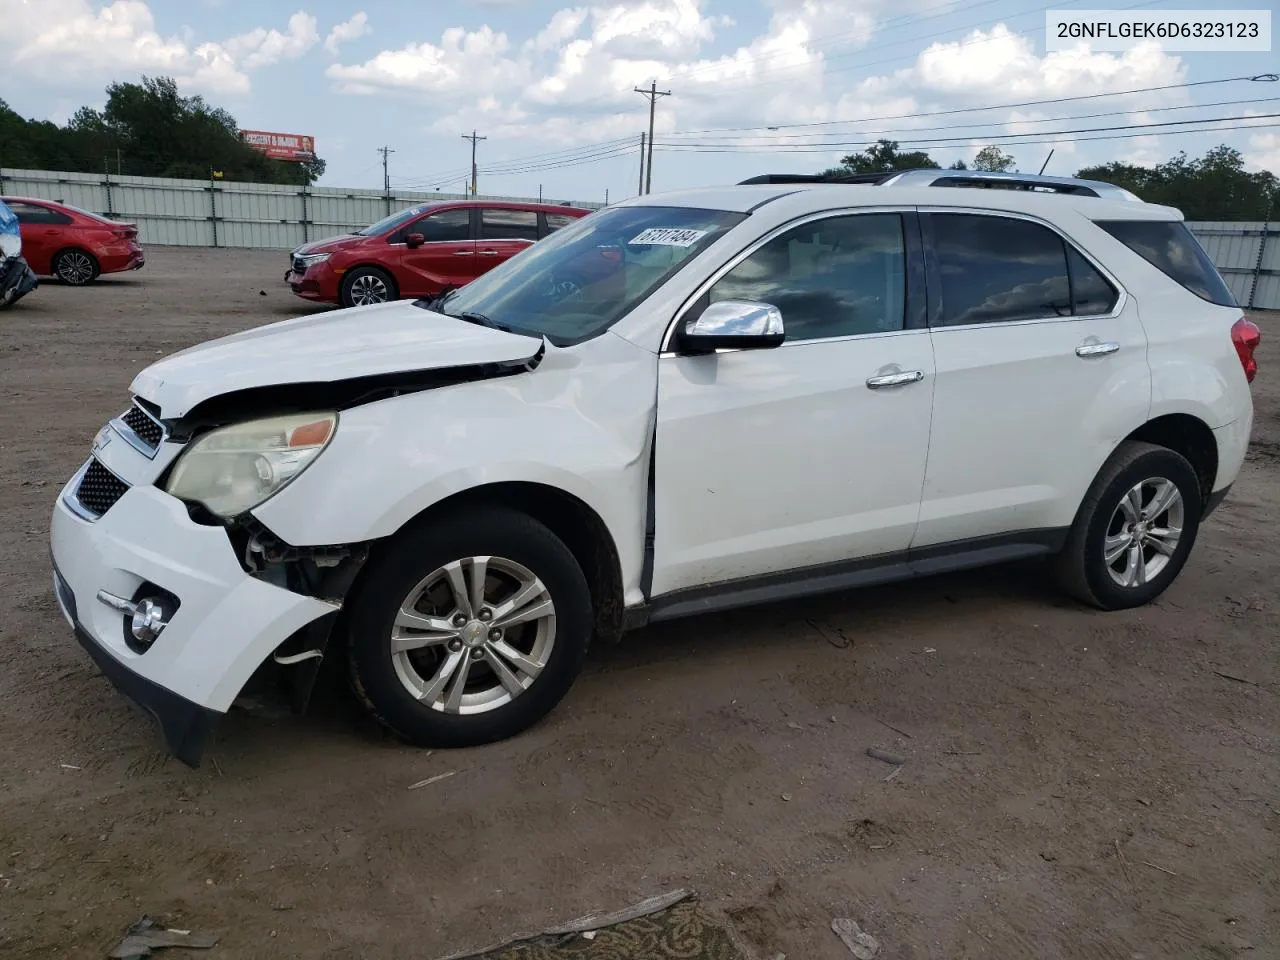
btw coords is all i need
(1134, 530)
(75, 267)
(364, 286)
(446, 658)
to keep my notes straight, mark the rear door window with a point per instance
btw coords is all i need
(1091, 293)
(499, 224)
(1172, 249)
(999, 269)
(556, 221)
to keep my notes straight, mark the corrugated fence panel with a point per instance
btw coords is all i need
(1248, 257)
(221, 213)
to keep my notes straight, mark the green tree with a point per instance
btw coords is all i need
(882, 157)
(1213, 187)
(993, 160)
(155, 130)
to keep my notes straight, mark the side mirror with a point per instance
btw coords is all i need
(413, 240)
(734, 324)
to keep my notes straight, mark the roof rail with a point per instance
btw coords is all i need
(872, 178)
(1072, 186)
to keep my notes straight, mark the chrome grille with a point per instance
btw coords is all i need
(99, 488)
(145, 427)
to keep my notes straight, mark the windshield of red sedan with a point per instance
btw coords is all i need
(582, 279)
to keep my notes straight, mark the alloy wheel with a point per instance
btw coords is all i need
(1144, 532)
(473, 635)
(75, 268)
(368, 289)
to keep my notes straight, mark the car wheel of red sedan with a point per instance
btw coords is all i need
(367, 285)
(75, 267)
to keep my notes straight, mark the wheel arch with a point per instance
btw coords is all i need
(1188, 436)
(68, 248)
(382, 268)
(581, 528)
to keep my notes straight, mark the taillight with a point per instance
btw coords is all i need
(1246, 336)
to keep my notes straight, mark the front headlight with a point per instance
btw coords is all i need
(309, 260)
(233, 469)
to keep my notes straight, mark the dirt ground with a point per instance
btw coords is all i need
(1080, 784)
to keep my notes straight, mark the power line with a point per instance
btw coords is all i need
(498, 166)
(652, 95)
(1264, 77)
(608, 149)
(730, 141)
(1013, 139)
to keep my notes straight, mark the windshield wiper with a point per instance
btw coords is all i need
(480, 319)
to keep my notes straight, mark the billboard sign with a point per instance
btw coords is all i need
(281, 146)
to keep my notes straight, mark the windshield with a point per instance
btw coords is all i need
(393, 221)
(582, 279)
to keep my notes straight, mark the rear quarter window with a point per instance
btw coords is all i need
(1172, 249)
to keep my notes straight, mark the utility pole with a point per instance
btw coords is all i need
(386, 176)
(652, 95)
(640, 189)
(473, 138)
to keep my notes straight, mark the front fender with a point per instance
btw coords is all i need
(581, 422)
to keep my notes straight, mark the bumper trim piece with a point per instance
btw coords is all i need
(186, 726)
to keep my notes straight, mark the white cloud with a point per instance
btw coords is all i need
(70, 44)
(348, 30)
(1263, 152)
(574, 77)
(262, 48)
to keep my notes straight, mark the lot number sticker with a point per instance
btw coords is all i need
(667, 237)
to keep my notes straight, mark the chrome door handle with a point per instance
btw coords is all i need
(488, 253)
(895, 379)
(464, 253)
(1097, 349)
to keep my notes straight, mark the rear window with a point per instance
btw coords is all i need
(1172, 249)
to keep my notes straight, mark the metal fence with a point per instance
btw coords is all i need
(1248, 257)
(217, 213)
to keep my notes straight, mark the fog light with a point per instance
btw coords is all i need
(147, 617)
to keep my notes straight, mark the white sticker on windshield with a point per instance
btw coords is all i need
(667, 237)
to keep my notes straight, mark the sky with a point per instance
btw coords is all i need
(550, 85)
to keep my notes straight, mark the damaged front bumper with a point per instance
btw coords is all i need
(220, 625)
(16, 280)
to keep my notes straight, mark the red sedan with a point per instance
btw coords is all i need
(72, 244)
(421, 251)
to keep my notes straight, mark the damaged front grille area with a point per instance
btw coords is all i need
(99, 489)
(144, 426)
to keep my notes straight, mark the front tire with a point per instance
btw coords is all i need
(1134, 530)
(469, 629)
(75, 267)
(364, 286)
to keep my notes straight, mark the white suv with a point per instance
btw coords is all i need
(679, 404)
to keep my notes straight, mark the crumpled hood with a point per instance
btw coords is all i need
(387, 338)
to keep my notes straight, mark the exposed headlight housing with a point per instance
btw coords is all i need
(233, 469)
(309, 260)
